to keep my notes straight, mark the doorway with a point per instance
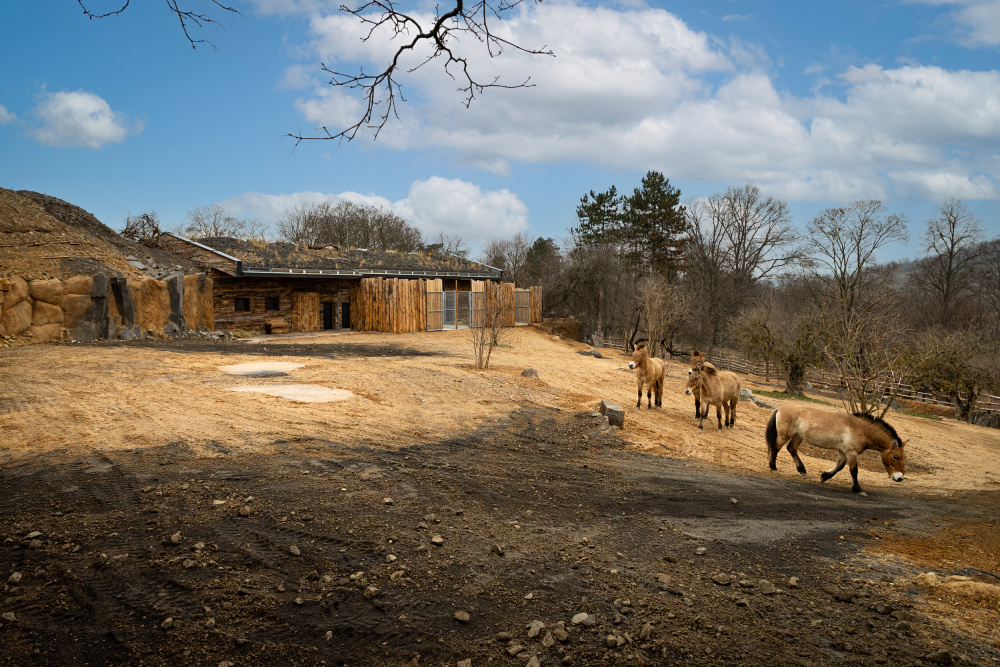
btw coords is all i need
(345, 315)
(327, 315)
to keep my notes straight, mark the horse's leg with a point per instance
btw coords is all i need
(726, 408)
(703, 412)
(697, 404)
(649, 396)
(659, 393)
(732, 421)
(718, 413)
(852, 465)
(841, 460)
(793, 449)
(638, 403)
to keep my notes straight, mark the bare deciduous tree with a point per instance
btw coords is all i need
(663, 307)
(214, 221)
(511, 255)
(349, 225)
(962, 364)
(952, 242)
(142, 228)
(490, 328)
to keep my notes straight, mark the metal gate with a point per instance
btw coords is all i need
(522, 306)
(435, 311)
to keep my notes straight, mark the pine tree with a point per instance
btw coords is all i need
(654, 226)
(600, 216)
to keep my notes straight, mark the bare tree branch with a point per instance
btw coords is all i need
(185, 16)
(382, 91)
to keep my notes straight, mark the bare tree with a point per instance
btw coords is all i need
(214, 221)
(842, 242)
(962, 364)
(511, 255)
(143, 228)
(953, 243)
(446, 244)
(780, 326)
(491, 325)
(348, 224)
(988, 286)
(663, 307)
(759, 236)
(706, 272)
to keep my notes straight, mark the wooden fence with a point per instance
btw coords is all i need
(816, 376)
(392, 305)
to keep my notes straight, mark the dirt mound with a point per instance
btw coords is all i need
(45, 237)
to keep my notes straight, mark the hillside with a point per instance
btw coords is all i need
(45, 237)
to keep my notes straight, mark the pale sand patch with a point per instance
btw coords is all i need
(260, 367)
(304, 393)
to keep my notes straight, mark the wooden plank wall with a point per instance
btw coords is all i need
(535, 304)
(178, 246)
(227, 289)
(306, 313)
(390, 305)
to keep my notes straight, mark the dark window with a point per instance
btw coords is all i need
(271, 303)
(242, 305)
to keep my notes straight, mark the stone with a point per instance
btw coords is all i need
(45, 333)
(700, 551)
(244, 511)
(390, 558)
(437, 540)
(793, 582)
(152, 303)
(529, 373)
(533, 662)
(646, 632)
(535, 628)
(167, 624)
(78, 285)
(614, 412)
(939, 657)
(124, 301)
(198, 309)
(17, 291)
(560, 633)
(722, 579)
(176, 538)
(49, 291)
(16, 318)
(580, 618)
(175, 291)
(371, 592)
(495, 549)
(8, 616)
(397, 576)
(15, 578)
(514, 649)
(883, 608)
(74, 306)
(210, 623)
(294, 550)
(188, 563)
(462, 616)
(746, 395)
(766, 587)
(387, 501)
(503, 636)
(548, 641)
(464, 663)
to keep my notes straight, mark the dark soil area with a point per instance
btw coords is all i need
(337, 552)
(238, 347)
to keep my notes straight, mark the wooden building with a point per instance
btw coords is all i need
(284, 287)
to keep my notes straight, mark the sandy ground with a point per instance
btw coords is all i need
(108, 451)
(410, 388)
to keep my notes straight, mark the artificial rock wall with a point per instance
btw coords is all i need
(89, 308)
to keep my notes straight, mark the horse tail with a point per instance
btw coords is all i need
(772, 432)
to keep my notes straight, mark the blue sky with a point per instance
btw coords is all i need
(819, 103)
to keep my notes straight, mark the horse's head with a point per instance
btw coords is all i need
(894, 460)
(638, 357)
(694, 379)
(696, 359)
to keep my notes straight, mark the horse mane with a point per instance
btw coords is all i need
(878, 421)
(710, 370)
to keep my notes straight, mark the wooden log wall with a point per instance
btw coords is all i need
(390, 305)
(258, 319)
(535, 304)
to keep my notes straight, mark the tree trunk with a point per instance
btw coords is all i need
(796, 382)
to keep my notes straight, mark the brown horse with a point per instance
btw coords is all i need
(846, 433)
(718, 388)
(698, 358)
(649, 371)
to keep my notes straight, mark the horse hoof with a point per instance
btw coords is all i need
(857, 489)
(802, 472)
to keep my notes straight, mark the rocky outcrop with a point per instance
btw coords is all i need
(89, 308)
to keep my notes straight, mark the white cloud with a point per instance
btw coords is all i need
(434, 205)
(79, 119)
(738, 17)
(976, 22)
(6, 117)
(638, 89)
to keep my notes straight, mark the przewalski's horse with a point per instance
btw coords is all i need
(846, 433)
(649, 371)
(714, 387)
(698, 359)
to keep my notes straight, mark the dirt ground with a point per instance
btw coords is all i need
(179, 523)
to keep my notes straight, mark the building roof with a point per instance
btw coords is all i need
(277, 258)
